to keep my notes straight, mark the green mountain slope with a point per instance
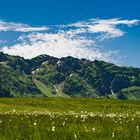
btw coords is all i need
(14, 82)
(49, 76)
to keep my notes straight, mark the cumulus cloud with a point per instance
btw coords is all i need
(19, 27)
(59, 45)
(78, 40)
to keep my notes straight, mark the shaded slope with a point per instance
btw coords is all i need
(14, 82)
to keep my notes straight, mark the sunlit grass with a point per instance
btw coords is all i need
(68, 119)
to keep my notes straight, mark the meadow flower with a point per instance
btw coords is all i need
(75, 136)
(93, 129)
(113, 135)
(132, 119)
(34, 123)
(63, 123)
(137, 127)
(66, 118)
(53, 128)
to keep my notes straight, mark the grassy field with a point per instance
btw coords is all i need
(69, 119)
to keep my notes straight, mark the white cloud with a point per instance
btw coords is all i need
(78, 40)
(116, 21)
(107, 28)
(3, 41)
(19, 27)
(59, 45)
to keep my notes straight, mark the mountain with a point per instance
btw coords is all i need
(45, 76)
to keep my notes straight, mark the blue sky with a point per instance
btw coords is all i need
(93, 29)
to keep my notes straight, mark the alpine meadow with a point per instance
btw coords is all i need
(69, 70)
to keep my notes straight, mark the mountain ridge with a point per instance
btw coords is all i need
(45, 76)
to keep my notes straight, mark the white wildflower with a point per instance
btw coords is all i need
(63, 123)
(75, 136)
(93, 129)
(53, 128)
(113, 135)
